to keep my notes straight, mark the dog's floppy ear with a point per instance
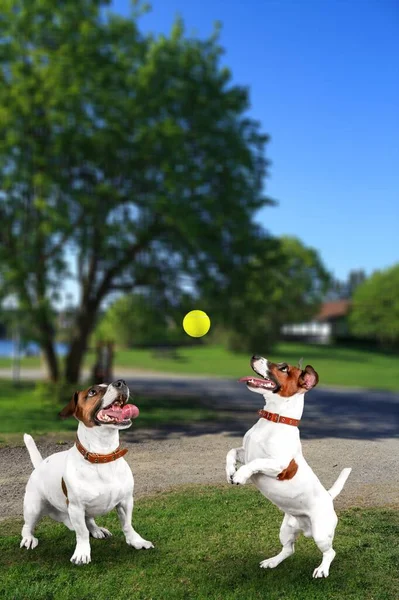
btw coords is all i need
(70, 408)
(308, 378)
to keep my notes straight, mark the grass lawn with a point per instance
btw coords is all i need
(24, 409)
(30, 362)
(336, 365)
(208, 545)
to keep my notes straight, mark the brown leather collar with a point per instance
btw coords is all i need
(278, 418)
(92, 457)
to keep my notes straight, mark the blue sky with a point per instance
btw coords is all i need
(324, 84)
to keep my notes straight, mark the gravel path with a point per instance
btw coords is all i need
(163, 462)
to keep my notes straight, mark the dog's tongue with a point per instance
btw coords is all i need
(130, 411)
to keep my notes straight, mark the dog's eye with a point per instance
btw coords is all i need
(284, 368)
(92, 392)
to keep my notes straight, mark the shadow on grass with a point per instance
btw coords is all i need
(194, 406)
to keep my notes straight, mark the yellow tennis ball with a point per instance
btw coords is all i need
(196, 323)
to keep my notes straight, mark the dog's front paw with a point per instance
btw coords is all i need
(139, 543)
(230, 472)
(269, 563)
(29, 542)
(82, 555)
(241, 476)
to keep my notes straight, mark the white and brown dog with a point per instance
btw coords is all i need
(271, 456)
(91, 478)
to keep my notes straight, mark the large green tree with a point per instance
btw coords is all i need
(131, 156)
(375, 308)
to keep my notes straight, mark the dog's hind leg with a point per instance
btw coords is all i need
(323, 535)
(95, 530)
(33, 510)
(289, 532)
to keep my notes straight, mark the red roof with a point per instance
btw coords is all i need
(331, 310)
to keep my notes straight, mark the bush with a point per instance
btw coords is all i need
(60, 392)
(137, 320)
(375, 308)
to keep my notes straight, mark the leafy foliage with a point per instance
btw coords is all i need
(283, 282)
(375, 309)
(133, 319)
(345, 289)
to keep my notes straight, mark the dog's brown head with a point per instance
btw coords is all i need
(280, 378)
(102, 404)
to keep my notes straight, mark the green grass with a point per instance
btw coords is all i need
(208, 545)
(337, 366)
(30, 362)
(24, 409)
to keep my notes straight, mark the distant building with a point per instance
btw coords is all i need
(331, 323)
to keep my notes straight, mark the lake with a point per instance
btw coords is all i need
(7, 349)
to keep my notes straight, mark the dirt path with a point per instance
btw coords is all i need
(161, 461)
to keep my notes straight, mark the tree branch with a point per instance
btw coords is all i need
(64, 238)
(131, 253)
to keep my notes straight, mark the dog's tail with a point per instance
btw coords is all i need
(34, 453)
(339, 484)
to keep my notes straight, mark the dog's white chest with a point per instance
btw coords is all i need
(270, 440)
(100, 487)
(108, 497)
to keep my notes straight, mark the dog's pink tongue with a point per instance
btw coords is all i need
(130, 411)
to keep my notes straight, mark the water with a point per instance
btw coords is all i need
(8, 349)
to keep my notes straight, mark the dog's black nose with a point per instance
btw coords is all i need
(120, 383)
(256, 357)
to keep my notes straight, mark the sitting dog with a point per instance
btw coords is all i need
(91, 478)
(271, 456)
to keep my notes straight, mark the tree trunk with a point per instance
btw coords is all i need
(51, 359)
(74, 359)
(84, 325)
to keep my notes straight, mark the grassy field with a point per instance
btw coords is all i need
(208, 545)
(336, 365)
(24, 409)
(31, 362)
